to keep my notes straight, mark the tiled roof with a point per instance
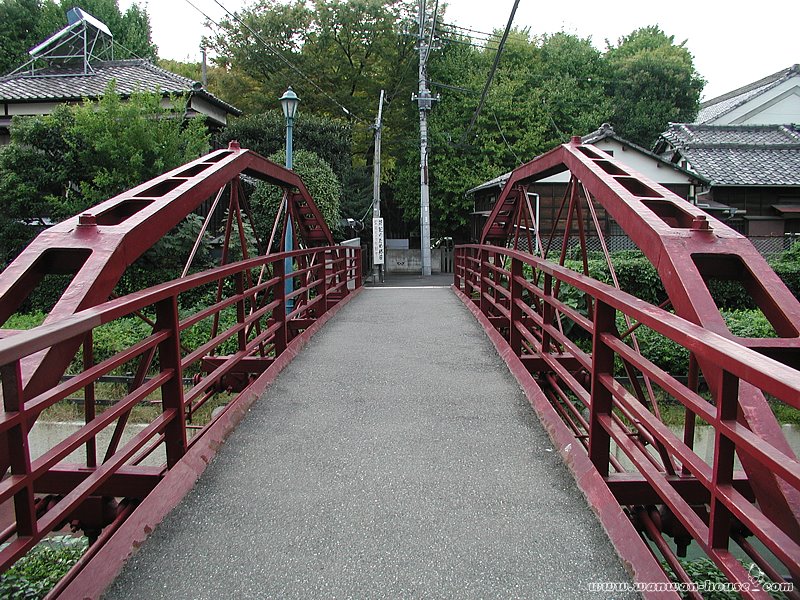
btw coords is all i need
(498, 182)
(716, 107)
(682, 135)
(130, 76)
(739, 154)
(605, 131)
(750, 166)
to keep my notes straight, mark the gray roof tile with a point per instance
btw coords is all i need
(739, 154)
(130, 76)
(716, 107)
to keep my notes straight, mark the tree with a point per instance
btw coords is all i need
(265, 133)
(348, 48)
(320, 180)
(60, 164)
(652, 82)
(23, 24)
(546, 89)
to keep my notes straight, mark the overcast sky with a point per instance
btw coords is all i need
(732, 45)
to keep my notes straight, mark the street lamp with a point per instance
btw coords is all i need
(289, 103)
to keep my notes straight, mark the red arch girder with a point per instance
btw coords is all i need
(99, 245)
(679, 239)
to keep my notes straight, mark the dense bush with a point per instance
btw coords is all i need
(674, 358)
(639, 278)
(35, 574)
(320, 180)
(712, 582)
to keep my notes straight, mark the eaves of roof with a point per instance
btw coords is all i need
(130, 76)
(721, 105)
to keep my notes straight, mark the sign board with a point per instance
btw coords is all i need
(377, 241)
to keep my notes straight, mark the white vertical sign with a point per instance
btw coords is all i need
(377, 241)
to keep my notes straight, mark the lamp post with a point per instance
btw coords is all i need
(289, 102)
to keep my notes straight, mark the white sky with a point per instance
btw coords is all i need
(733, 45)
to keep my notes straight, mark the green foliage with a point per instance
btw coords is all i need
(748, 323)
(787, 266)
(23, 321)
(166, 259)
(36, 573)
(60, 164)
(547, 88)
(639, 278)
(636, 275)
(322, 184)
(23, 24)
(353, 47)
(712, 582)
(265, 133)
(661, 351)
(652, 82)
(200, 333)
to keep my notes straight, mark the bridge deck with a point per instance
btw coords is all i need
(395, 457)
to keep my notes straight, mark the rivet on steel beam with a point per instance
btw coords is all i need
(234, 145)
(87, 220)
(575, 140)
(701, 223)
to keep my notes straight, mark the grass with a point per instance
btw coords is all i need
(673, 414)
(72, 409)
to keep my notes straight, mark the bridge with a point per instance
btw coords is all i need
(488, 437)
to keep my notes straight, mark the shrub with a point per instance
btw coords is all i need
(712, 581)
(35, 574)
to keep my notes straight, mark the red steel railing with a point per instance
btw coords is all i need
(48, 492)
(712, 504)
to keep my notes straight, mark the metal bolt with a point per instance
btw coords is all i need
(87, 220)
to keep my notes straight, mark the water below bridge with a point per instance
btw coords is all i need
(395, 457)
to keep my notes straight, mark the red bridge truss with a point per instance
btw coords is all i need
(663, 485)
(595, 392)
(248, 330)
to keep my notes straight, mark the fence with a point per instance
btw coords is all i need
(222, 349)
(518, 295)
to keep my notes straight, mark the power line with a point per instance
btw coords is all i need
(500, 129)
(492, 71)
(346, 110)
(483, 33)
(463, 43)
(470, 39)
(433, 25)
(190, 3)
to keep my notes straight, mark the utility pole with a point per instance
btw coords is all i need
(377, 223)
(204, 67)
(424, 100)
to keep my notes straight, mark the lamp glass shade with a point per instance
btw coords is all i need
(289, 103)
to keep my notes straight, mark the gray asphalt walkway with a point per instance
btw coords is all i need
(395, 457)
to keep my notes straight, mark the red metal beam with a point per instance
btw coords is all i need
(97, 246)
(708, 503)
(688, 248)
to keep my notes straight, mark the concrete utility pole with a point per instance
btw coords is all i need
(204, 67)
(425, 100)
(377, 268)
